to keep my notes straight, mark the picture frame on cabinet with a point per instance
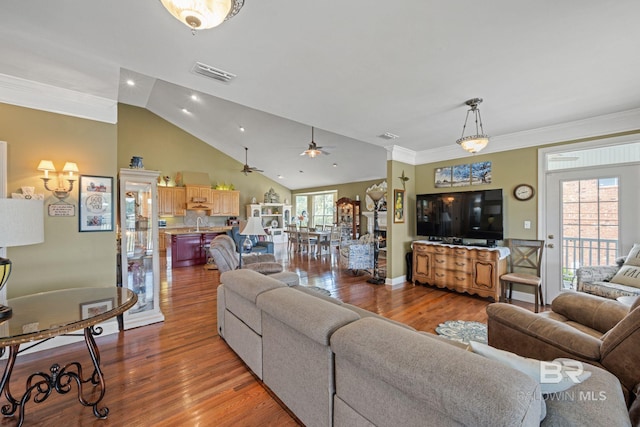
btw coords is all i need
(96, 203)
(398, 206)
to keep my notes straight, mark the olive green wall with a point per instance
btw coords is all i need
(67, 258)
(169, 149)
(508, 168)
(400, 235)
(350, 190)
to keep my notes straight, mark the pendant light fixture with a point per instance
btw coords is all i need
(202, 14)
(473, 143)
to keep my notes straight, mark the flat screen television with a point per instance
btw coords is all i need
(461, 215)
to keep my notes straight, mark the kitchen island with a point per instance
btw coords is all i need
(186, 247)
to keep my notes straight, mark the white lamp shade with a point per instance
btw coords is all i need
(253, 227)
(376, 195)
(21, 222)
(46, 165)
(199, 14)
(70, 167)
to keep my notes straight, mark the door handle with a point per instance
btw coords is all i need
(550, 245)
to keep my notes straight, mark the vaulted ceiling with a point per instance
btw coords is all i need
(353, 70)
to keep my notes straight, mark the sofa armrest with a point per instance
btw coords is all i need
(520, 331)
(268, 245)
(257, 257)
(597, 273)
(437, 378)
(593, 311)
(264, 267)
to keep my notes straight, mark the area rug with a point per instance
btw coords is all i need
(463, 331)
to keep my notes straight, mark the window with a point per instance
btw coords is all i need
(301, 210)
(323, 209)
(315, 209)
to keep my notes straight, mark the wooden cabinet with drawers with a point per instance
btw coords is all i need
(463, 269)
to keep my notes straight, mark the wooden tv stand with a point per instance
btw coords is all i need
(471, 269)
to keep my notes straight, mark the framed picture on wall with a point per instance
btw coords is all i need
(96, 203)
(443, 177)
(398, 206)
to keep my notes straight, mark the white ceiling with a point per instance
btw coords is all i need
(353, 69)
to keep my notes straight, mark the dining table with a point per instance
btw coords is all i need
(320, 235)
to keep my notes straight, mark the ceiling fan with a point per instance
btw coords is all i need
(313, 149)
(248, 169)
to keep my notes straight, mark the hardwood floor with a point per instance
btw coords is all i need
(181, 373)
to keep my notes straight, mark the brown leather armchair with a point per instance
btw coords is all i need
(589, 328)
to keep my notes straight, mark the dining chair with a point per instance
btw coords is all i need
(293, 239)
(331, 240)
(305, 240)
(525, 260)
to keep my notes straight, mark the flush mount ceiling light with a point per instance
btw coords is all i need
(473, 143)
(202, 14)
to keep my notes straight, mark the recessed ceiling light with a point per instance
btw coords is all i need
(184, 110)
(241, 128)
(131, 82)
(335, 165)
(194, 97)
(301, 171)
(280, 176)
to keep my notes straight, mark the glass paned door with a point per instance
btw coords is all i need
(590, 224)
(139, 255)
(138, 199)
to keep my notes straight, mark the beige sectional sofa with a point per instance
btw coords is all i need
(333, 364)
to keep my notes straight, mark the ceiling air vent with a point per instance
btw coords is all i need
(388, 135)
(212, 73)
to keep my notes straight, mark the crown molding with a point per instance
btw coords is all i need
(400, 154)
(40, 96)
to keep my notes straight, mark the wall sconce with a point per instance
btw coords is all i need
(61, 192)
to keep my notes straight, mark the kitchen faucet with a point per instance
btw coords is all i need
(198, 220)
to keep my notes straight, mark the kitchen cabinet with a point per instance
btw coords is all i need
(162, 244)
(225, 203)
(171, 201)
(460, 268)
(198, 197)
(139, 248)
(190, 248)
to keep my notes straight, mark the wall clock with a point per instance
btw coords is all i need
(523, 192)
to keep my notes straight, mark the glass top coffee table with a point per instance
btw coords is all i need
(49, 314)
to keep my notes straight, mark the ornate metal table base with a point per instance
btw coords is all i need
(41, 384)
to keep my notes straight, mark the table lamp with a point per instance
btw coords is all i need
(253, 227)
(21, 223)
(376, 196)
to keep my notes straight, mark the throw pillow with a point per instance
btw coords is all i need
(558, 375)
(634, 256)
(628, 275)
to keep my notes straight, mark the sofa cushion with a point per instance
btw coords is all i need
(248, 283)
(628, 275)
(633, 258)
(314, 317)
